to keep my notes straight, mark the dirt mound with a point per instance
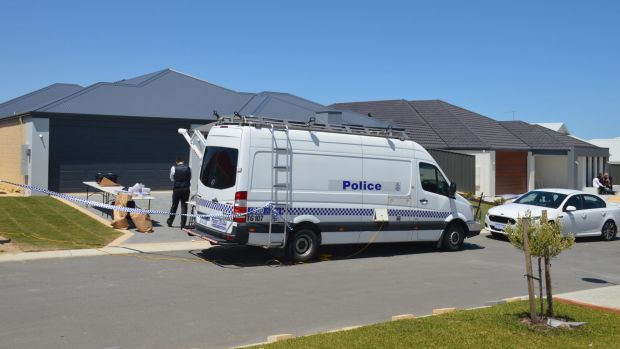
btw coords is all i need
(7, 246)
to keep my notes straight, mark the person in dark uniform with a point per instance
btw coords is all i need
(180, 175)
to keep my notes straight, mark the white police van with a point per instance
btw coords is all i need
(297, 186)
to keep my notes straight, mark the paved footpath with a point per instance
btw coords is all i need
(182, 300)
(604, 298)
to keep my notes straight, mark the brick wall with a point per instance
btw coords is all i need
(11, 140)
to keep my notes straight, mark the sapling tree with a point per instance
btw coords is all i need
(546, 241)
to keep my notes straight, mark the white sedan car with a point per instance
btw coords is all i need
(580, 213)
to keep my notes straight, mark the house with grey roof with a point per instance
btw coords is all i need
(61, 135)
(512, 157)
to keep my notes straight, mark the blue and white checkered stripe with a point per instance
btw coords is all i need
(228, 209)
(365, 212)
(419, 213)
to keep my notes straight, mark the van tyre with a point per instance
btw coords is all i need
(453, 237)
(609, 231)
(303, 245)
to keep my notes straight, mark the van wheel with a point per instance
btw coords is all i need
(453, 237)
(609, 231)
(303, 245)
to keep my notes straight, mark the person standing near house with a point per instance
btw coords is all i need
(180, 175)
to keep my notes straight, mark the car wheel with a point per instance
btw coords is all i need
(453, 237)
(609, 231)
(303, 245)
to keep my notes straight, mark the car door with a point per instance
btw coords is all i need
(572, 221)
(594, 213)
(432, 202)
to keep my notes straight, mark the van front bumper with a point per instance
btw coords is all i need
(473, 228)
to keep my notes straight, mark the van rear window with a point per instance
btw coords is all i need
(219, 167)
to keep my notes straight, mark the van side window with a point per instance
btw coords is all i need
(432, 180)
(219, 167)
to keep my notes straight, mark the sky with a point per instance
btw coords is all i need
(536, 61)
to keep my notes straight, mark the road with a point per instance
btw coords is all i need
(178, 300)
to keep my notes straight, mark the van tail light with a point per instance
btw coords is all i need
(240, 207)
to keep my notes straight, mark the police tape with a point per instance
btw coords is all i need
(274, 212)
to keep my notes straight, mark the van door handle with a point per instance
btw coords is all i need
(424, 201)
(584, 216)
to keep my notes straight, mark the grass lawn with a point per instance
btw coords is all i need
(495, 327)
(44, 223)
(484, 207)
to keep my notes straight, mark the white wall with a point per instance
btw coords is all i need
(36, 136)
(485, 171)
(551, 171)
(614, 147)
(581, 172)
(531, 171)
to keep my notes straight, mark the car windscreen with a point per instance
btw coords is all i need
(219, 167)
(541, 198)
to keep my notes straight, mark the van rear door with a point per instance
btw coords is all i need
(218, 182)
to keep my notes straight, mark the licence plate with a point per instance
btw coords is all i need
(202, 220)
(218, 223)
(499, 226)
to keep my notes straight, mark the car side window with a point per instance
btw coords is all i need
(574, 200)
(591, 202)
(432, 180)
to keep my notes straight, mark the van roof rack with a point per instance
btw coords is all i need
(311, 125)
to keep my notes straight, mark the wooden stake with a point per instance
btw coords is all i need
(528, 270)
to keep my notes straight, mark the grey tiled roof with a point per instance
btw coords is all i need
(567, 140)
(437, 124)
(469, 129)
(36, 99)
(400, 113)
(169, 94)
(541, 138)
(535, 136)
(164, 94)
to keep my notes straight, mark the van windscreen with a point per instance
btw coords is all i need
(219, 167)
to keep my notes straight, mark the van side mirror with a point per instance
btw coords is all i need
(452, 190)
(570, 208)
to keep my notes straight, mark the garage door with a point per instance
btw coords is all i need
(510, 172)
(138, 150)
